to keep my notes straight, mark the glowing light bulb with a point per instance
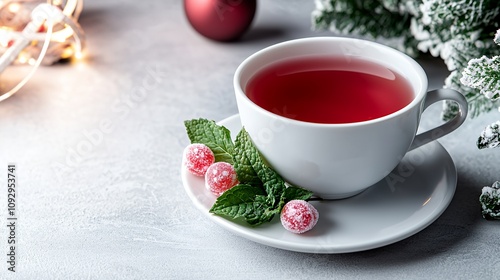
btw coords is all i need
(78, 55)
(22, 58)
(14, 7)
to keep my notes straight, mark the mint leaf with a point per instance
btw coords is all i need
(244, 201)
(274, 185)
(242, 165)
(251, 156)
(254, 166)
(217, 138)
(266, 210)
(293, 192)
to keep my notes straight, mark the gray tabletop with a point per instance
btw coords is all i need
(98, 148)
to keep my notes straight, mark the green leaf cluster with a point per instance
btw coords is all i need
(261, 192)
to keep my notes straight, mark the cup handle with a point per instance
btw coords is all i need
(440, 131)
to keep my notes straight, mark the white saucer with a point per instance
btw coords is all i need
(413, 196)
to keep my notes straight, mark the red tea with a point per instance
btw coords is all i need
(324, 89)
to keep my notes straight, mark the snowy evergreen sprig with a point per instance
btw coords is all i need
(463, 50)
(441, 21)
(490, 201)
(490, 137)
(484, 74)
(387, 21)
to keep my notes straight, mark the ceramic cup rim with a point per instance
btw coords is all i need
(419, 92)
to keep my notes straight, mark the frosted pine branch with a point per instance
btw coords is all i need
(484, 74)
(441, 21)
(386, 21)
(490, 201)
(490, 137)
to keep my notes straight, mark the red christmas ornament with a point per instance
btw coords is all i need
(221, 20)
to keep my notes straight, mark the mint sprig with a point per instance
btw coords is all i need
(261, 192)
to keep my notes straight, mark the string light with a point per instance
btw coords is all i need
(39, 32)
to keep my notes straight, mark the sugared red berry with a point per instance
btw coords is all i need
(299, 216)
(220, 177)
(197, 158)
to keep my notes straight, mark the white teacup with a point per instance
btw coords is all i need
(340, 160)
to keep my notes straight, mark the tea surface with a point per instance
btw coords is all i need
(323, 89)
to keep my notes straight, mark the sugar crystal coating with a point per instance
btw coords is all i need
(299, 216)
(220, 177)
(197, 159)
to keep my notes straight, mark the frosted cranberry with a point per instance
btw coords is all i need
(220, 177)
(299, 216)
(197, 158)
